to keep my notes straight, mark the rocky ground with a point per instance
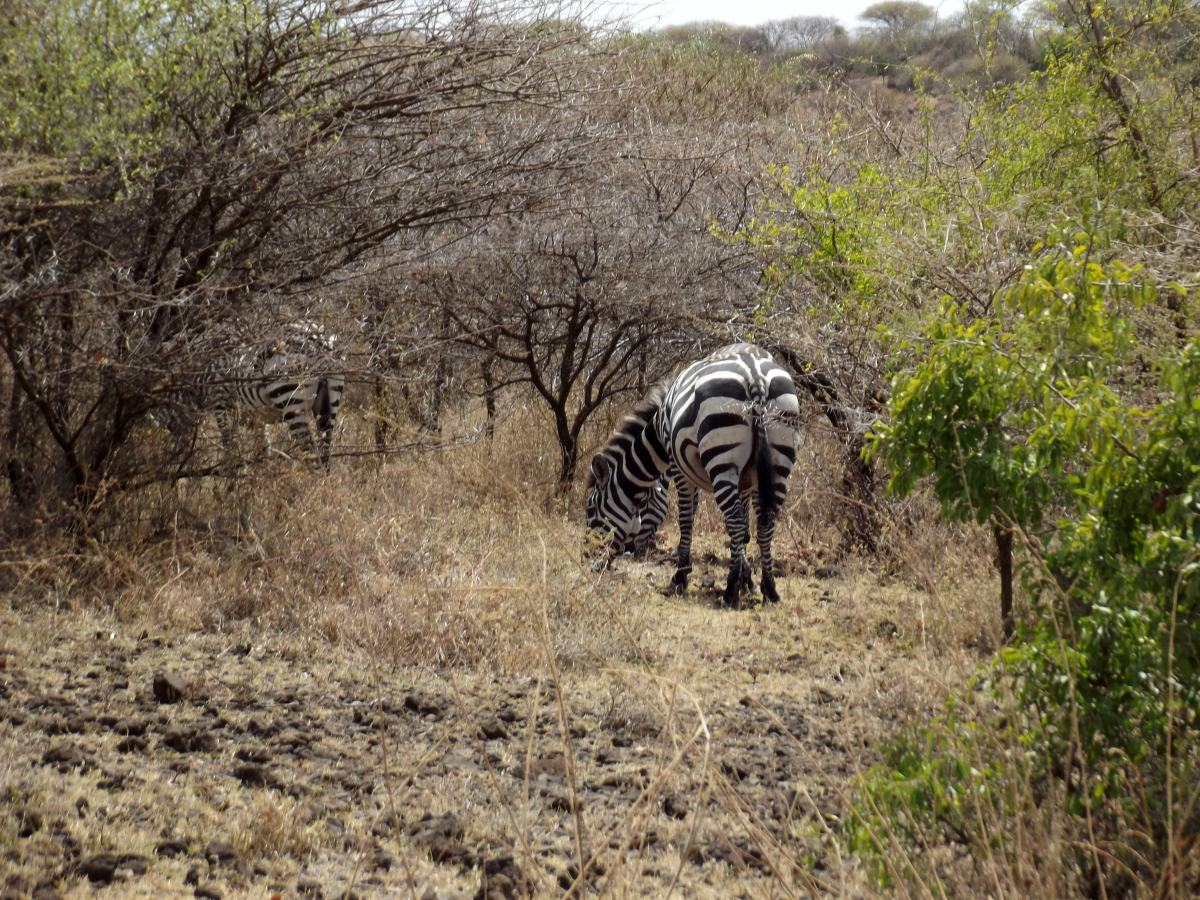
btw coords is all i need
(714, 760)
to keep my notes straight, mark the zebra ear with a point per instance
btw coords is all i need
(601, 470)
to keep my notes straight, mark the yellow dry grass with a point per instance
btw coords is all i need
(652, 745)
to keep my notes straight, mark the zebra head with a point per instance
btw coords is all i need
(613, 516)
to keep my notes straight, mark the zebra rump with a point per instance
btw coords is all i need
(727, 425)
(293, 381)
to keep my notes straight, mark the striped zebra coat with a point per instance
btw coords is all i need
(292, 381)
(726, 424)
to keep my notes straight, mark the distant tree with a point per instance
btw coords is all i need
(747, 39)
(899, 19)
(800, 34)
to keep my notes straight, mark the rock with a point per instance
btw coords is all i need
(185, 741)
(253, 754)
(734, 771)
(132, 744)
(104, 867)
(169, 687)
(642, 841)
(29, 821)
(307, 887)
(492, 729)
(100, 868)
(674, 807)
(553, 764)
(251, 775)
(64, 757)
(74, 724)
(502, 879)
(46, 891)
(386, 825)
(441, 836)
(738, 855)
(220, 853)
(887, 629)
(423, 704)
(207, 891)
(557, 798)
(171, 848)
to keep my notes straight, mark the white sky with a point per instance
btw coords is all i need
(751, 12)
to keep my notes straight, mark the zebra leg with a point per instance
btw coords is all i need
(729, 501)
(295, 416)
(654, 513)
(747, 573)
(323, 416)
(766, 532)
(325, 411)
(688, 495)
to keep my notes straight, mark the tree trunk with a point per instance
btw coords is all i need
(18, 446)
(568, 448)
(489, 401)
(1004, 563)
(858, 489)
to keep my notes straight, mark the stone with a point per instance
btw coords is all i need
(492, 729)
(168, 687)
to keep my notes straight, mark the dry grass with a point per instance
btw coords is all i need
(654, 743)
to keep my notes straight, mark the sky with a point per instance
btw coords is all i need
(753, 12)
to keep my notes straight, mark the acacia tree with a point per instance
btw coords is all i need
(800, 34)
(249, 152)
(899, 19)
(597, 301)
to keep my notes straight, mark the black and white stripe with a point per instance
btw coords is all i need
(652, 514)
(295, 381)
(727, 424)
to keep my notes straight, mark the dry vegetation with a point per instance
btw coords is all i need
(225, 672)
(342, 666)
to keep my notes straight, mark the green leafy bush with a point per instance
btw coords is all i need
(1042, 417)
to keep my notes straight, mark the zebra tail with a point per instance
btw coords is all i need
(324, 410)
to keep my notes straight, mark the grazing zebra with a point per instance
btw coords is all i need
(726, 424)
(293, 381)
(653, 513)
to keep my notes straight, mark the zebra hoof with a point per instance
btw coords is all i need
(769, 592)
(678, 584)
(733, 592)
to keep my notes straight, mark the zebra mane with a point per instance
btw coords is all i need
(637, 420)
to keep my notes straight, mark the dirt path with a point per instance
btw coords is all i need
(713, 756)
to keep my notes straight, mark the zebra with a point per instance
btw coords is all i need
(726, 424)
(288, 381)
(652, 514)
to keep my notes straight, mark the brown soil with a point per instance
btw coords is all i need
(714, 758)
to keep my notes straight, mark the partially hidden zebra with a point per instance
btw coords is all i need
(297, 380)
(726, 424)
